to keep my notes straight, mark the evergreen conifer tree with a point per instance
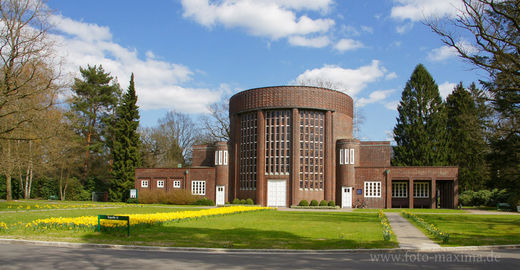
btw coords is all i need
(126, 145)
(420, 132)
(467, 145)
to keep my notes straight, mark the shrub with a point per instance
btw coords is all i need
(314, 203)
(303, 203)
(182, 197)
(332, 203)
(485, 197)
(131, 200)
(242, 201)
(236, 201)
(250, 201)
(204, 201)
(323, 203)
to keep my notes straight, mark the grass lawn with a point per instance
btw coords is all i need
(263, 229)
(414, 210)
(477, 230)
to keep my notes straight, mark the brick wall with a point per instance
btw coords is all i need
(291, 97)
(374, 154)
(203, 155)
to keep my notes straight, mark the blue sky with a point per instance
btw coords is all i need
(191, 53)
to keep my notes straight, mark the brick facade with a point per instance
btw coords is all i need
(330, 159)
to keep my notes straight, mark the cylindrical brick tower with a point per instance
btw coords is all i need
(221, 172)
(283, 143)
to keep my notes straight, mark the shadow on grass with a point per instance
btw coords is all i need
(467, 230)
(236, 238)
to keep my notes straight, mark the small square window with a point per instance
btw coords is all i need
(144, 183)
(160, 183)
(177, 184)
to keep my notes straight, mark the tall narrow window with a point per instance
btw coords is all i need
(311, 149)
(277, 138)
(225, 157)
(352, 160)
(248, 138)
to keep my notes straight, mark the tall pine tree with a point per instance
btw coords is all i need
(467, 146)
(420, 132)
(126, 145)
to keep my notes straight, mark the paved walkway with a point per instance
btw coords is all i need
(408, 235)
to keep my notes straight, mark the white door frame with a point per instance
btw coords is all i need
(346, 197)
(220, 196)
(276, 202)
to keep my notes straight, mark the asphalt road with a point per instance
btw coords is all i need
(27, 256)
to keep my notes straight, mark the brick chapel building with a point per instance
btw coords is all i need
(293, 143)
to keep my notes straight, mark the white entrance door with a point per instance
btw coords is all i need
(276, 193)
(220, 196)
(346, 197)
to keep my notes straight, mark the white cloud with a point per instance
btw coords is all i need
(416, 10)
(442, 53)
(348, 45)
(446, 88)
(274, 19)
(81, 30)
(158, 83)
(317, 42)
(445, 52)
(392, 105)
(351, 81)
(401, 29)
(390, 76)
(374, 97)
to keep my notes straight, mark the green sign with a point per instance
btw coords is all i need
(127, 218)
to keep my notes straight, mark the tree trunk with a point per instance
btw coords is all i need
(8, 188)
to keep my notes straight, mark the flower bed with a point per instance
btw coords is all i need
(430, 228)
(387, 230)
(91, 222)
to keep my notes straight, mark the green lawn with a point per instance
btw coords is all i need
(477, 230)
(256, 230)
(414, 210)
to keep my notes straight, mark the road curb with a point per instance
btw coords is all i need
(245, 251)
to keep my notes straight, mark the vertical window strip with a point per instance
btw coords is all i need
(225, 157)
(277, 146)
(311, 149)
(247, 170)
(352, 160)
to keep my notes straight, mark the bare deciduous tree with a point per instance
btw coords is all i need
(216, 125)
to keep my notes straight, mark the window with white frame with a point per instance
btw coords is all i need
(372, 189)
(160, 183)
(343, 156)
(221, 157)
(198, 187)
(144, 183)
(399, 189)
(177, 183)
(421, 189)
(351, 156)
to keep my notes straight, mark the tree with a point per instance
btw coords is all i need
(95, 97)
(169, 143)
(495, 28)
(216, 125)
(358, 118)
(467, 146)
(126, 145)
(25, 52)
(420, 132)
